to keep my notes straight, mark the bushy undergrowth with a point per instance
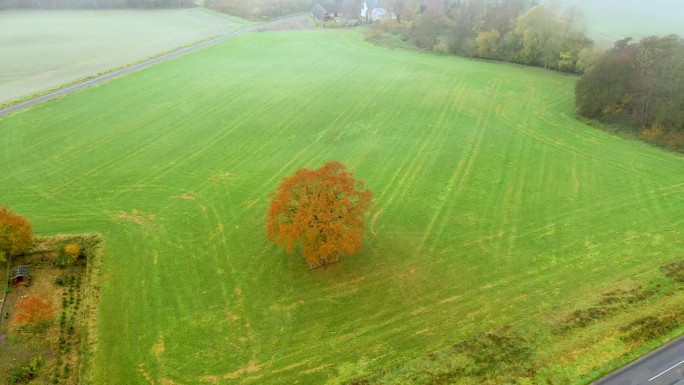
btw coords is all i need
(25, 372)
(675, 270)
(487, 358)
(650, 327)
(611, 303)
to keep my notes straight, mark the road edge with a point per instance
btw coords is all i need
(637, 361)
(134, 67)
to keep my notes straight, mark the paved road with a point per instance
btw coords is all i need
(147, 63)
(664, 366)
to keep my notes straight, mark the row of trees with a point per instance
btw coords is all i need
(95, 4)
(518, 31)
(640, 87)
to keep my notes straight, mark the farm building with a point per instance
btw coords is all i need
(20, 275)
(372, 11)
(327, 12)
(319, 12)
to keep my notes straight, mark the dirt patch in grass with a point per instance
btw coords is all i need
(187, 196)
(250, 368)
(136, 216)
(64, 344)
(674, 270)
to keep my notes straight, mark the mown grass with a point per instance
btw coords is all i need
(497, 215)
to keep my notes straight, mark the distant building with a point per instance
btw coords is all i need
(318, 12)
(328, 11)
(373, 11)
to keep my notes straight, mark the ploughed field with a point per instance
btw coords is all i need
(496, 214)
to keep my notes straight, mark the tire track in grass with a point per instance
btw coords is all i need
(566, 130)
(378, 124)
(389, 186)
(314, 157)
(426, 155)
(213, 141)
(531, 229)
(228, 299)
(237, 162)
(458, 179)
(553, 143)
(281, 172)
(197, 150)
(368, 145)
(140, 146)
(616, 204)
(114, 161)
(512, 205)
(50, 172)
(412, 166)
(234, 299)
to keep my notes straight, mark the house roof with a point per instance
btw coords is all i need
(20, 271)
(333, 8)
(318, 11)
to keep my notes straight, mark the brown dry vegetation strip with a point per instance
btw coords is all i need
(489, 358)
(675, 270)
(611, 303)
(511, 352)
(618, 300)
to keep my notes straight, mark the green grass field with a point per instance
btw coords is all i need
(493, 207)
(47, 49)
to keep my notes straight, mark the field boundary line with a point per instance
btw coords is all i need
(147, 63)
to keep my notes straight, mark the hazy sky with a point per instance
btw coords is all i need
(610, 20)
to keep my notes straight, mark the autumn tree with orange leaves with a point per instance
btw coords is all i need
(322, 211)
(16, 234)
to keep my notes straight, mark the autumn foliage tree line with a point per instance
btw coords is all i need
(638, 87)
(518, 31)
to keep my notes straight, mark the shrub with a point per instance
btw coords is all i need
(650, 327)
(23, 373)
(72, 249)
(65, 280)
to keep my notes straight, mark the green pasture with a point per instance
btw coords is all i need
(47, 49)
(493, 207)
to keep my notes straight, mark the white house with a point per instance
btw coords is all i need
(373, 11)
